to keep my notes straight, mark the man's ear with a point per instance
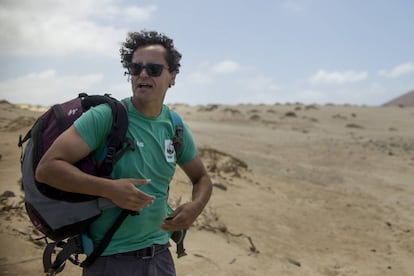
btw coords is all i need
(172, 81)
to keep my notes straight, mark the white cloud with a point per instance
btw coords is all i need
(199, 77)
(136, 13)
(397, 71)
(226, 82)
(46, 87)
(258, 83)
(59, 27)
(225, 67)
(207, 72)
(323, 77)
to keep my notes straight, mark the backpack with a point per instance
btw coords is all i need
(61, 215)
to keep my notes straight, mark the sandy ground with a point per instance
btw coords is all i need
(298, 190)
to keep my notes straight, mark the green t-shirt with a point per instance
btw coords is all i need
(152, 159)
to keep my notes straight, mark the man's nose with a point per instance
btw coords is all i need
(144, 72)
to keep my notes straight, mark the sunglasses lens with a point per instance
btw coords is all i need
(135, 69)
(154, 70)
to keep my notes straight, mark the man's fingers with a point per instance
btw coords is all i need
(141, 181)
(145, 197)
(142, 195)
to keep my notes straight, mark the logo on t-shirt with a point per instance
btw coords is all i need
(169, 151)
(140, 144)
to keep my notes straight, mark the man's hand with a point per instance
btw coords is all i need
(125, 194)
(183, 217)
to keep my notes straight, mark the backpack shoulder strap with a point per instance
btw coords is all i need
(178, 236)
(117, 137)
(179, 130)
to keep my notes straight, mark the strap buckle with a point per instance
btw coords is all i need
(152, 253)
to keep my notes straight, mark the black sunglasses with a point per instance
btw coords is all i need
(152, 69)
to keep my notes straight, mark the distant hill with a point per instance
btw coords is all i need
(405, 100)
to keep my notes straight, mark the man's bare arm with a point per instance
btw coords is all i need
(56, 169)
(184, 216)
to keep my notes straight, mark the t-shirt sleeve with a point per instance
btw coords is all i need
(94, 126)
(188, 148)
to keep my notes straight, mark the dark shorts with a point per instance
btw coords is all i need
(151, 261)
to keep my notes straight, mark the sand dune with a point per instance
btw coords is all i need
(298, 190)
(406, 99)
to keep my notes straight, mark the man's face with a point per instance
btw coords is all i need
(148, 88)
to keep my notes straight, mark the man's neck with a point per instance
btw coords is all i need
(151, 109)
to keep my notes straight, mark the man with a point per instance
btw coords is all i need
(141, 177)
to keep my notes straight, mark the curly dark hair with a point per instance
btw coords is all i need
(136, 40)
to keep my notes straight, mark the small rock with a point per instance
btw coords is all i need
(294, 262)
(290, 114)
(8, 194)
(220, 186)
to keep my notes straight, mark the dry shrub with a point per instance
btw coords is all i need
(222, 163)
(354, 126)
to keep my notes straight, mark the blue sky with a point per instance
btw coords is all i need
(321, 51)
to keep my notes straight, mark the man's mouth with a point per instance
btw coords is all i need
(144, 85)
